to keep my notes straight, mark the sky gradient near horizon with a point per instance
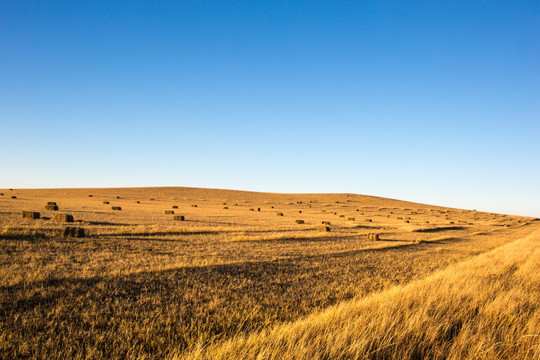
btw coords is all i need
(426, 101)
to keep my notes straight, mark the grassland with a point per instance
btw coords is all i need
(234, 282)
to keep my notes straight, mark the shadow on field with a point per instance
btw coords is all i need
(185, 305)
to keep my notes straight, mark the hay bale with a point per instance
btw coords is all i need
(90, 195)
(279, 214)
(137, 202)
(118, 197)
(324, 228)
(194, 205)
(369, 220)
(325, 222)
(169, 212)
(75, 232)
(117, 208)
(175, 206)
(225, 208)
(179, 218)
(152, 199)
(258, 209)
(251, 209)
(299, 221)
(51, 203)
(13, 197)
(272, 207)
(106, 202)
(30, 215)
(323, 211)
(52, 207)
(373, 237)
(63, 218)
(351, 219)
(224, 203)
(1, 194)
(342, 216)
(299, 211)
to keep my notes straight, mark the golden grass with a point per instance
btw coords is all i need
(141, 285)
(484, 308)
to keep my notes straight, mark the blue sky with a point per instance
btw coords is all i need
(428, 101)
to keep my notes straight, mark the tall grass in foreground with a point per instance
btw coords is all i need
(484, 308)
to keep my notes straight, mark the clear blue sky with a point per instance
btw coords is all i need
(429, 101)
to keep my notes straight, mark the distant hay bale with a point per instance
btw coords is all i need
(152, 199)
(118, 197)
(357, 209)
(1, 194)
(369, 220)
(224, 203)
(117, 208)
(323, 211)
(106, 202)
(179, 218)
(279, 214)
(427, 222)
(251, 209)
(175, 206)
(75, 232)
(194, 205)
(407, 221)
(13, 197)
(298, 202)
(299, 221)
(52, 207)
(373, 237)
(63, 218)
(399, 218)
(137, 202)
(325, 222)
(324, 228)
(30, 215)
(51, 203)
(299, 211)
(258, 209)
(351, 219)
(90, 195)
(272, 207)
(225, 208)
(169, 212)
(342, 216)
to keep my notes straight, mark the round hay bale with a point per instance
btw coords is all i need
(179, 218)
(53, 207)
(299, 211)
(225, 208)
(116, 208)
(373, 237)
(299, 221)
(137, 202)
(152, 199)
(169, 212)
(324, 228)
(13, 197)
(90, 195)
(106, 203)
(251, 209)
(30, 215)
(175, 206)
(194, 205)
(279, 214)
(63, 218)
(351, 219)
(342, 216)
(369, 220)
(258, 209)
(323, 211)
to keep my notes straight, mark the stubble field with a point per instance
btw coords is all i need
(240, 277)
